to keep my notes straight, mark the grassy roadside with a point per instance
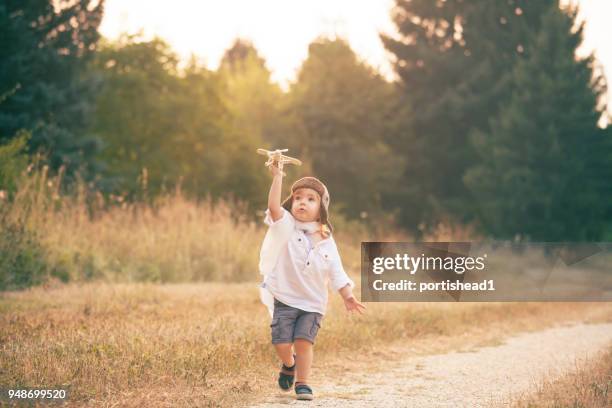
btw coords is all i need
(589, 386)
(208, 344)
(87, 237)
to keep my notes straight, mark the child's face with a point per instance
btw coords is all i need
(306, 205)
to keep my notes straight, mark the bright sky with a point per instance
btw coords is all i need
(282, 29)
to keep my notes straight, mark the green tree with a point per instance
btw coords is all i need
(344, 108)
(248, 90)
(166, 125)
(44, 46)
(132, 112)
(255, 104)
(156, 122)
(544, 167)
(453, 59)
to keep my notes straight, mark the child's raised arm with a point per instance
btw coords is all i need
(274, 197)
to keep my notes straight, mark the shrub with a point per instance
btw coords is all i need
(22, 259)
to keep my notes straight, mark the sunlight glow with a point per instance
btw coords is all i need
(282, 29)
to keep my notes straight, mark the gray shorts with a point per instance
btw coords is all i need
(289, 323)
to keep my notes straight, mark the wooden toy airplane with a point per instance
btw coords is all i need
(277, 156)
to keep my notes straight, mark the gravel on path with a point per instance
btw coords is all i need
(488, 377)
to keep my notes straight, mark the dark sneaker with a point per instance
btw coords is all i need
(303, 392)
(286, 376)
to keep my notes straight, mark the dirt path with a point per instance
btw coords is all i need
(489, 376)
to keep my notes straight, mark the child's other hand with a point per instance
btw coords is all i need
(353, 305)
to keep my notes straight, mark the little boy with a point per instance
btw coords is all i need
(298, 257)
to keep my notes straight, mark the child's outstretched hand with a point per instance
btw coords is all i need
(353, 305)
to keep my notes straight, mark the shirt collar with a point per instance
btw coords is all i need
(308, 227)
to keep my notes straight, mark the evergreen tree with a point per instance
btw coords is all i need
(44, 46)
(453, 59)
(544, 167)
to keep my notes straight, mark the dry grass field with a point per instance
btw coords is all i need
(208, 344)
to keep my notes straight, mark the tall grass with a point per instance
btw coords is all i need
(84, 235)
(590, 385)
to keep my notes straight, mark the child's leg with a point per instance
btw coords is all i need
(304, 355)
(285, 353)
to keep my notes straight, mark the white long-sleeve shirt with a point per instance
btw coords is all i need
(296, 272)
